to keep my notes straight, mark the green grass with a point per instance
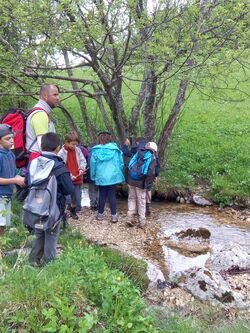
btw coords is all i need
(133, 268)
(211, 143)
(167, 322)
(76, 293)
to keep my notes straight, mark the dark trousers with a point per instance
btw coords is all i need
(105, 192)
(44, 245)
(76, 197)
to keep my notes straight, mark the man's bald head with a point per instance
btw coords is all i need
(50, 94)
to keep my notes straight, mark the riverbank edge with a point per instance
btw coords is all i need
(164, 192)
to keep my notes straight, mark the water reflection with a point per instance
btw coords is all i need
(85, 202)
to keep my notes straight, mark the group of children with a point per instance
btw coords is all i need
(104, 166)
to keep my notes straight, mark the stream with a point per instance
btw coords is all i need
(194, 247)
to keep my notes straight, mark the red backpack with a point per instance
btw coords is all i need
(16, 118)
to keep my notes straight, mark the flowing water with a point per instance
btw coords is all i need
(223, 232)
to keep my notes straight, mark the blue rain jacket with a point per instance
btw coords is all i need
(106, 164)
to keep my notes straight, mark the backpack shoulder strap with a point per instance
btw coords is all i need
(60, 170)
(28, 114)
(133, 160)
(35, 109)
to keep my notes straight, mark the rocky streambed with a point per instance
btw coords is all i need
(194, 254)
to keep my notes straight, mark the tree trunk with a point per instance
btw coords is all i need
(169, 125)
(87, 122)
(148, 107)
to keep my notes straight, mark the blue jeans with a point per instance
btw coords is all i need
(105, 192)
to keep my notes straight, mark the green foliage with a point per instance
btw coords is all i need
(76, 293)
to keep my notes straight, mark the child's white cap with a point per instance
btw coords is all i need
(152, 145)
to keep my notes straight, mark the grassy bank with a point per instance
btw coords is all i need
(211, 144)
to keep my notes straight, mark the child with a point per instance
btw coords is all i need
(106, 164)
(76, 164)
(8, 175)
(138, 188)
(44, 245)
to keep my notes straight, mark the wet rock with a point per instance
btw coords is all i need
(155, 276)
(195, 241)
(228, 256)
(210, 286)
(199, 200)
(197, 233)
(161, 284)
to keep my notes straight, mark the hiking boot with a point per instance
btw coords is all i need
(73, 214)
(114, 218)
(142, 225)
(100, 216)
(130, 222)
(94, 208)
(148, 209)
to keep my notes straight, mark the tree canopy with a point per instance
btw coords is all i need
(157, 52)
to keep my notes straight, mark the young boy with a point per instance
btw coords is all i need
(138, 188)
(44, 245)
(76, 164)
(8, 175)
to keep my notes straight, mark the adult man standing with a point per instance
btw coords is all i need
(39, 122)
